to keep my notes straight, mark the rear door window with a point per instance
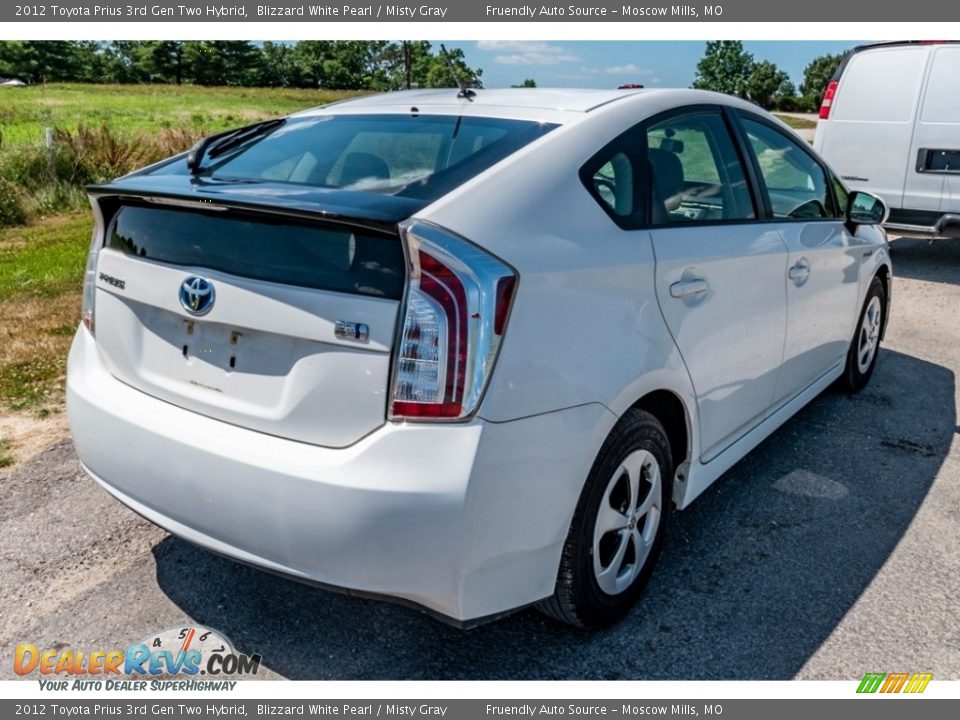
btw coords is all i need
(697, 174)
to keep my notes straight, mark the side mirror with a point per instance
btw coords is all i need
(865, 209)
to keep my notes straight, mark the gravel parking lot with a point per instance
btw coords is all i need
(832, 550)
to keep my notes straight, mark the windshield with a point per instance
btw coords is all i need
(415, 156)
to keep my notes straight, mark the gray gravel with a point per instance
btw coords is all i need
(832, 550)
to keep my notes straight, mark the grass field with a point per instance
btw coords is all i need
(25, 112)
(798, 123)
(41, 274)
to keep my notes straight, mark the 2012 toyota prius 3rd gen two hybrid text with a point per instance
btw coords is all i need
(466, 351)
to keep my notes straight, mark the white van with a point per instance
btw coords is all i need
(890, 124)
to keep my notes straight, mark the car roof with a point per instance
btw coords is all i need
(508, 102)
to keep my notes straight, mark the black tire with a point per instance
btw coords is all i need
(856, 374)
(578, 598)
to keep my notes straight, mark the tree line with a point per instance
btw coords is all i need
(328, 64)
(726, 67)
(358, 65)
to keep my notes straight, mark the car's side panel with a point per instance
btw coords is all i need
(731, 335)
(701, 475)
(822, 302)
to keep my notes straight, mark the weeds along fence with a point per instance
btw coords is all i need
(49, 176)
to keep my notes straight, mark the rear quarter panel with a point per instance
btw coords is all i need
(585, 325)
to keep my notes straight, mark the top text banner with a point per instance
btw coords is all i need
(478, 11)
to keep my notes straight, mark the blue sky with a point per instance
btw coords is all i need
(604, 64)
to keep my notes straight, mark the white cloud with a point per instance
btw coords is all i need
(527, 53)
(628, 69)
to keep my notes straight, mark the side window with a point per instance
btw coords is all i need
(696, 173)
(842, 195)
(611, 177)
(795, 182)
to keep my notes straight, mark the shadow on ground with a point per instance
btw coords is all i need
(933, 261)
(756, 574)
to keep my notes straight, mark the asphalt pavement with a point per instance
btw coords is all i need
(831, 550)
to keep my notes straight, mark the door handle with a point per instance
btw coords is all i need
(800, 271)
(686, 288)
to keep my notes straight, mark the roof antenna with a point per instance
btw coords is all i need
(465, 92)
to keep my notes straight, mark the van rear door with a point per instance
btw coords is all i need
(933, 176)
(867, 137)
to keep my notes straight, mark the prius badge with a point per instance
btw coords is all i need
(197, 295)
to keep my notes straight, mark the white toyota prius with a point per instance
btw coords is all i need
(468, 351)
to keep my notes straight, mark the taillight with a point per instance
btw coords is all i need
(455, 313)
(828, 100)
(90, 274)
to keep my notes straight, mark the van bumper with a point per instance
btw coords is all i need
(943, 227)
(465, 520)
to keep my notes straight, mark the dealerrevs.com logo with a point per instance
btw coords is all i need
(173, 659)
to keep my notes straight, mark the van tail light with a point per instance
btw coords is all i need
(456, 309)
(828, 97)
(87, 304)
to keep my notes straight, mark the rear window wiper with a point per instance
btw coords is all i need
(215, 145)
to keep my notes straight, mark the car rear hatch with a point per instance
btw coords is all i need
(258, 279)
(231, 304)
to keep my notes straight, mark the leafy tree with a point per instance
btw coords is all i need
(767, 83)
(340, 65)
(395, 63)
(12, 59)
(816, 77)
(123, 61)
(163, 61)
(90, 62)
(222, 62)
(46, 60)
(278, 66)
(528, 83)
(434, 70)
(725, 67)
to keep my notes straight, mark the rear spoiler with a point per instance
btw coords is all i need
(374, 211)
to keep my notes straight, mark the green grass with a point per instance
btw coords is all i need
(26, 112)
(5, 459)
(45, 258)
(798, 123)
(41, 276)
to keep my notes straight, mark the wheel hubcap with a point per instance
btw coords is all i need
(869, 335)
(627, 522)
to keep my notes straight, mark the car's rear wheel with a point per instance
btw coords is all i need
(618, 527)
(865, 346)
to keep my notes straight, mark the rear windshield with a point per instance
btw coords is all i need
(415, 156)
(336, 258)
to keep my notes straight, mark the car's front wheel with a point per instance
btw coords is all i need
(865, 346)
(618, 527)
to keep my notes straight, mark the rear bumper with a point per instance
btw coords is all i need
(466, 520)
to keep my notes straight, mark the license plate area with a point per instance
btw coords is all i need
(216, 345)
